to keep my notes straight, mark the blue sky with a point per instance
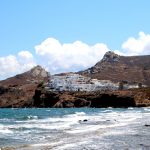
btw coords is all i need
(24, 24)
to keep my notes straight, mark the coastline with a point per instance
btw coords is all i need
(75, 128)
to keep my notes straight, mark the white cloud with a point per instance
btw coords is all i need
(65, 57)
(9, 64)
(26, 60)
(57, 57)
(12, 65)
(25, 55)
(137, 46)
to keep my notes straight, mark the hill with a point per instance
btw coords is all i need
(31, 89)
(18, 91)
(129, 69)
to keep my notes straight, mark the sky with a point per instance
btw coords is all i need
(69, 35)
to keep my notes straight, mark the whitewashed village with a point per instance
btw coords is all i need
(76, 82)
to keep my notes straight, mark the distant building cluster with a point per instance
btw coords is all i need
(76, 82)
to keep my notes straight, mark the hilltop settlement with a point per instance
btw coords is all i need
(115, 81)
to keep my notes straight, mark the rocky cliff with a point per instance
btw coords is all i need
(131, 69)
(123, 98)
(30, 88)
(18, 91)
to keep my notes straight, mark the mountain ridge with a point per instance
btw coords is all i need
(131, 69)
(18, 91)
(35, 75)
(30, 89)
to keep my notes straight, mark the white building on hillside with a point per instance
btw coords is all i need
(76, 82)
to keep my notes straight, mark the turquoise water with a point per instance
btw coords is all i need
(75, 129)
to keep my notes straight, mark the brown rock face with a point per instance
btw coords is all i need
(27, 89)
(112, 100)
(44, 98)
(120, 68)
(82, 99)
(18, 91)
(68, 100)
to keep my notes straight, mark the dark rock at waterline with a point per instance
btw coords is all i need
(74, 102)
(44, 98)
(112, 100)
(30, 95)
(85, 120)
(98, 99)
(147, 125)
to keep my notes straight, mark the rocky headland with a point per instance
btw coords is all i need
(97, 99)
(115, 81)
(18, 91)
(116, 68)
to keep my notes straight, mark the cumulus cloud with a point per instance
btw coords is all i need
(69, 56)
(9, 64)
(58, 57)
(26, 60)
(137, 46)
(25, 55)
(12, 65)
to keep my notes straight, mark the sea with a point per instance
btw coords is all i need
(75, 129)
